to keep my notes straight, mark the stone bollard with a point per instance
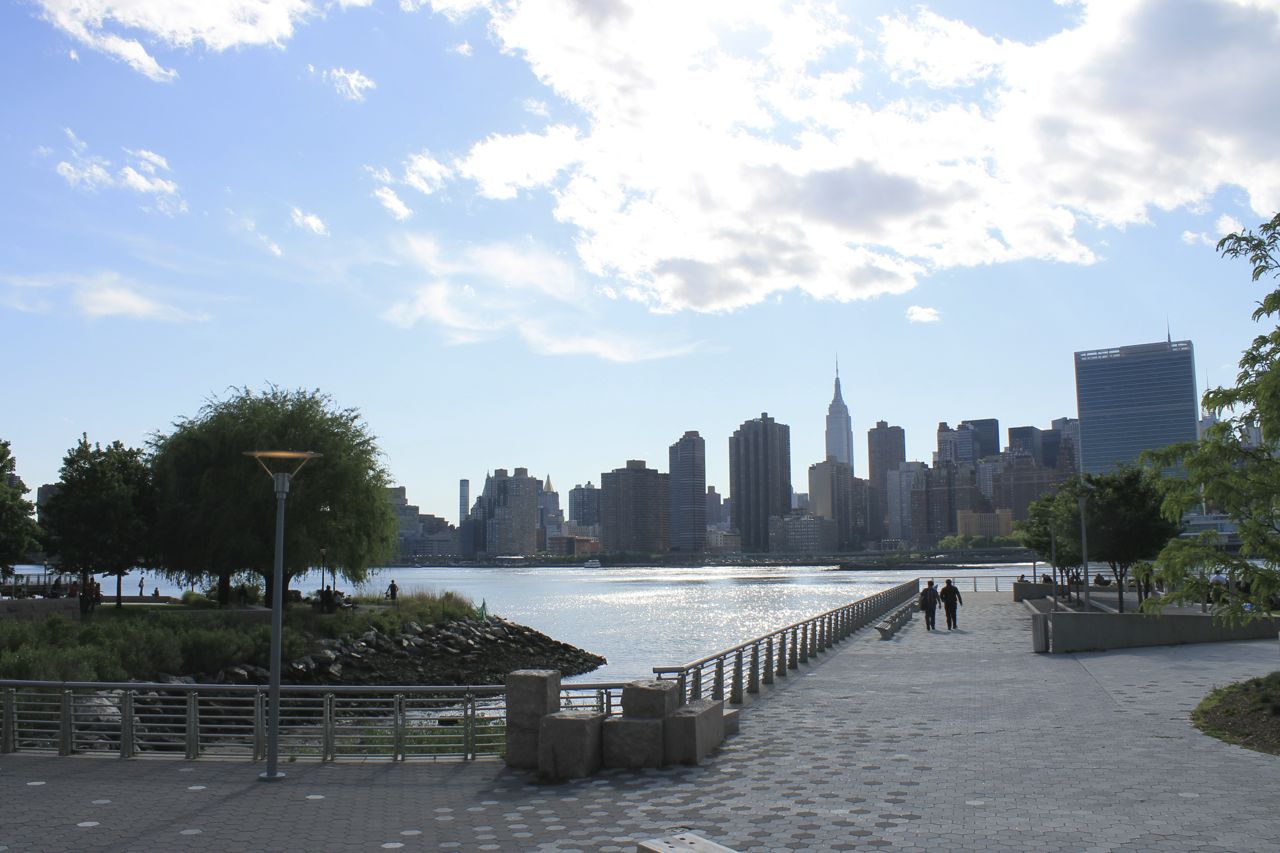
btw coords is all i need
(693, 731)
(569, 745)
(635, 739)
(650, 700)
(531, 695)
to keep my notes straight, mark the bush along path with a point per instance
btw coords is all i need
(454, 652)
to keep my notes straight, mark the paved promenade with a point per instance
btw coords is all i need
(961, 740)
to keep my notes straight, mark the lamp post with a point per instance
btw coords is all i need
(1084, 545)
(324, 554)
(282, 479)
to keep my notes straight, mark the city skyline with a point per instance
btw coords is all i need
(504, 259)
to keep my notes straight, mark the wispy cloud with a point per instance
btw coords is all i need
(462, 49)
(88, 171)
(309, 222)
(392, 203)
(103, 294)
(921, 314)
(349, 84)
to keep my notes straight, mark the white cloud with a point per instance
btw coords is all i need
(454, 10)
(392, 203)
(1228, 224)
(73, 56)
(309, 222)
(349, 84)
(117, 27)
(425, 173)
(91, 172)
(483, 292)
(920, 314)
(104, 294)
(252, 227)
(502, 165)
(536, 107)
(462, 49)
(730, 152)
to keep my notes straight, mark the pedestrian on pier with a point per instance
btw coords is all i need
(951, 599)
(393, 591)
(929, 604)
(142, 582)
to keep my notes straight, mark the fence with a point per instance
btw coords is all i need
(762, 659)
(397, 723)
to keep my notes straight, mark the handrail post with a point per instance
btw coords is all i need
(193, 725)
(782, 654)
(64, 724)
(469, 723)
(397, 746)
(9, 731)
(126, 724)
(682, 686)
(717, 688)
(696, 689)
(259, 727)
(328, 745)
(735, 694)
(768, 661)
(792, 660)
(824, 638)
(805, 642)
(753, 677)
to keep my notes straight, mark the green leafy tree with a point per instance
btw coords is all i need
(100, 520)
(18, 531)
(1230, 470)
(1125, 521)
(1052, 530)
(217, 506)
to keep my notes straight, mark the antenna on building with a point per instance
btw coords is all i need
(1168, 330)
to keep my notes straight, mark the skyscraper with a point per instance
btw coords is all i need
(464, 500)
(886, 450)
(986, 437)
(836, 494)
(584, 505)
(1031, 440)
(839, 427)
(687, 480)
(759, 478)
(633, 510)
(506, 514)
(1134, 398)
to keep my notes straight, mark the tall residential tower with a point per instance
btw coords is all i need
(759, 478)
(687, 481)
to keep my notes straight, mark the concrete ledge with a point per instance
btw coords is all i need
(632, 743)
(569, 745)
(1096, 632)
(1023, 591)
(732, 721)
(687, 842)
(650, 700)
(693, 731)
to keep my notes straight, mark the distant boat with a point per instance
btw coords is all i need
(591, 564)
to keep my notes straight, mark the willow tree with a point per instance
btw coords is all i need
(217, 506)
(1234, 468)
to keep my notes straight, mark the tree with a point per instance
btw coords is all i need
(1233, 469)
(18, 531)
(100, 520)
(217, 507)
(1052, 530)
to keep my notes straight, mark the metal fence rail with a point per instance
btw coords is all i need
(734, 672)
(400, 723)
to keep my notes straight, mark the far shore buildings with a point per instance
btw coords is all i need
(504, 520)
(687, 503)
(634, 510)
(759, 478)
(420, 535)
(1134, 398)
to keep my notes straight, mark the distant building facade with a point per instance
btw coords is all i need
(687, 481)
(837, 495)
(505, 516)
(1134, 398)
(634, 510)
(584, 505)
(759, 478)
(886, 450)
(839, 428)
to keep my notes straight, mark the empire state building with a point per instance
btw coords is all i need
(839, 428)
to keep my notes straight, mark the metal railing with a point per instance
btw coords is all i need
(740, 670)
(400, 723)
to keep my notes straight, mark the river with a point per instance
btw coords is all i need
(639, 617)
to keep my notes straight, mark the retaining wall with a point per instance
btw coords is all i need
(1094, 632)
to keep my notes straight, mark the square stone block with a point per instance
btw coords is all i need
(569, 744)
(531, 695)
(731, 722)
(650, 700)
(630, 742)
(522, 749)
(693, 731)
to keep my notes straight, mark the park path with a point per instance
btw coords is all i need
(961, 740)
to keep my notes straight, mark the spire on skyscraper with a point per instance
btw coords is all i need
(839, 426)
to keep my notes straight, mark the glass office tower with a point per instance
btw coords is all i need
(1132, 399)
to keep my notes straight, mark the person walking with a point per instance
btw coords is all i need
(951, 599)
(929, 604)
(393, 591)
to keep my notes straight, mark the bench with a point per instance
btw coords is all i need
(895, 620)
(685, 841)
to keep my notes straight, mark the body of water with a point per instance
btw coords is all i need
(639, 617)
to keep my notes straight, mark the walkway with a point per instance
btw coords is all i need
(960, 741)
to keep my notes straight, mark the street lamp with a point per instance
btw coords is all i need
(1081, 499)
(284, 458)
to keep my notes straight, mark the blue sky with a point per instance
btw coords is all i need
(558, 234)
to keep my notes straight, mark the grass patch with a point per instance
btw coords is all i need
(120, 644)
(1246, 713)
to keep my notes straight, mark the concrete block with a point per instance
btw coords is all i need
(531, 695)
(522, 748)
(686, 842)
(650, 700)
(630, 742)
(732, 721)
(693, 731)
(569, 744)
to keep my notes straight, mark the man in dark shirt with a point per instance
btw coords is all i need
(950, 596)
(929, 604)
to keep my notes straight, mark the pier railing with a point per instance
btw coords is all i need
(734, 672)
(130, 719)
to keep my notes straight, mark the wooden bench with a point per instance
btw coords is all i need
(895, 620)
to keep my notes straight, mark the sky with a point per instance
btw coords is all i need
(557, 234)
